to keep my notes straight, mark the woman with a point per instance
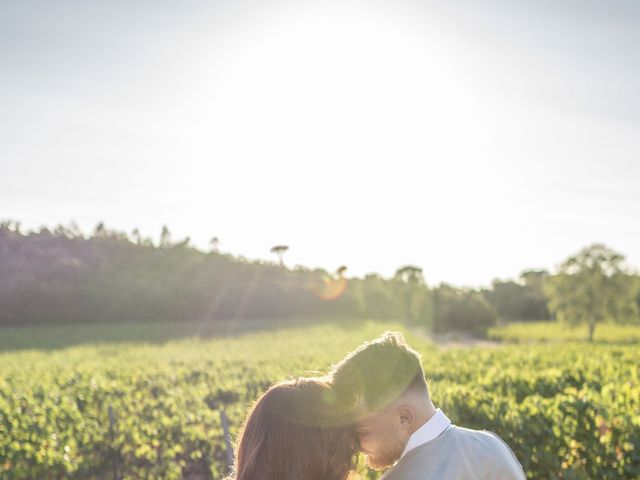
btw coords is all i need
(293, 434)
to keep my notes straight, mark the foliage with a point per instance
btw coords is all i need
(522, 300)
(63, 277)
(459, 309)
(570, 411)
(59, 276)
(593, 287)
(414, 294)
(379, 300)
(279, 250)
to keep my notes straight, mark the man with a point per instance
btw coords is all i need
(381, 387)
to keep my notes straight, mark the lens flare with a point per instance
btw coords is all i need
(331, 288)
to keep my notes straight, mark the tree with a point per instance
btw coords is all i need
(534, 278)
(10, 225)
(459, 309)
(380, 297)
(74, 230)
(279, 251)
(521, 300)
(332, 287)
(214, 244)
(137, 237)
(183, 243)
(410, 274)
(100, 230)
(410, 278)
(165, 237)
(593, 287)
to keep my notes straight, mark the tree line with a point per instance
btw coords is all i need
(62, 276)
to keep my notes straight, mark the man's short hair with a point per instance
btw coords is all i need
(377, 373)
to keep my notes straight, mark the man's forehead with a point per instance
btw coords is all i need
(369, 420)
(362, 414)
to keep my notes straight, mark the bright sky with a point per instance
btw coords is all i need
(474, 141)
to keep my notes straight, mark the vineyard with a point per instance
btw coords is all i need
(569, 410)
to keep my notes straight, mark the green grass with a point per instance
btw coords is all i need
(56, 337)
(525, 332)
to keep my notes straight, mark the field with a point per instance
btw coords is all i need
(569, 410)
(527, 332)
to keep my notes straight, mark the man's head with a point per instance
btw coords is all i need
(381, 389)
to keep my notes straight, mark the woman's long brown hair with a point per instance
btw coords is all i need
(291, 434)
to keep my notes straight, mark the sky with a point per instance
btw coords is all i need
(474, 140)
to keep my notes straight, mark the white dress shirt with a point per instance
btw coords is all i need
(427, 432)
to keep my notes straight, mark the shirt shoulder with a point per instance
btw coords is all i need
(486, 449)
(460, 454)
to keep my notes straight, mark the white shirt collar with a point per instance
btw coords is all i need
(427, 432)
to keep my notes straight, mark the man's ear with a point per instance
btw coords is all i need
(407, 416)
